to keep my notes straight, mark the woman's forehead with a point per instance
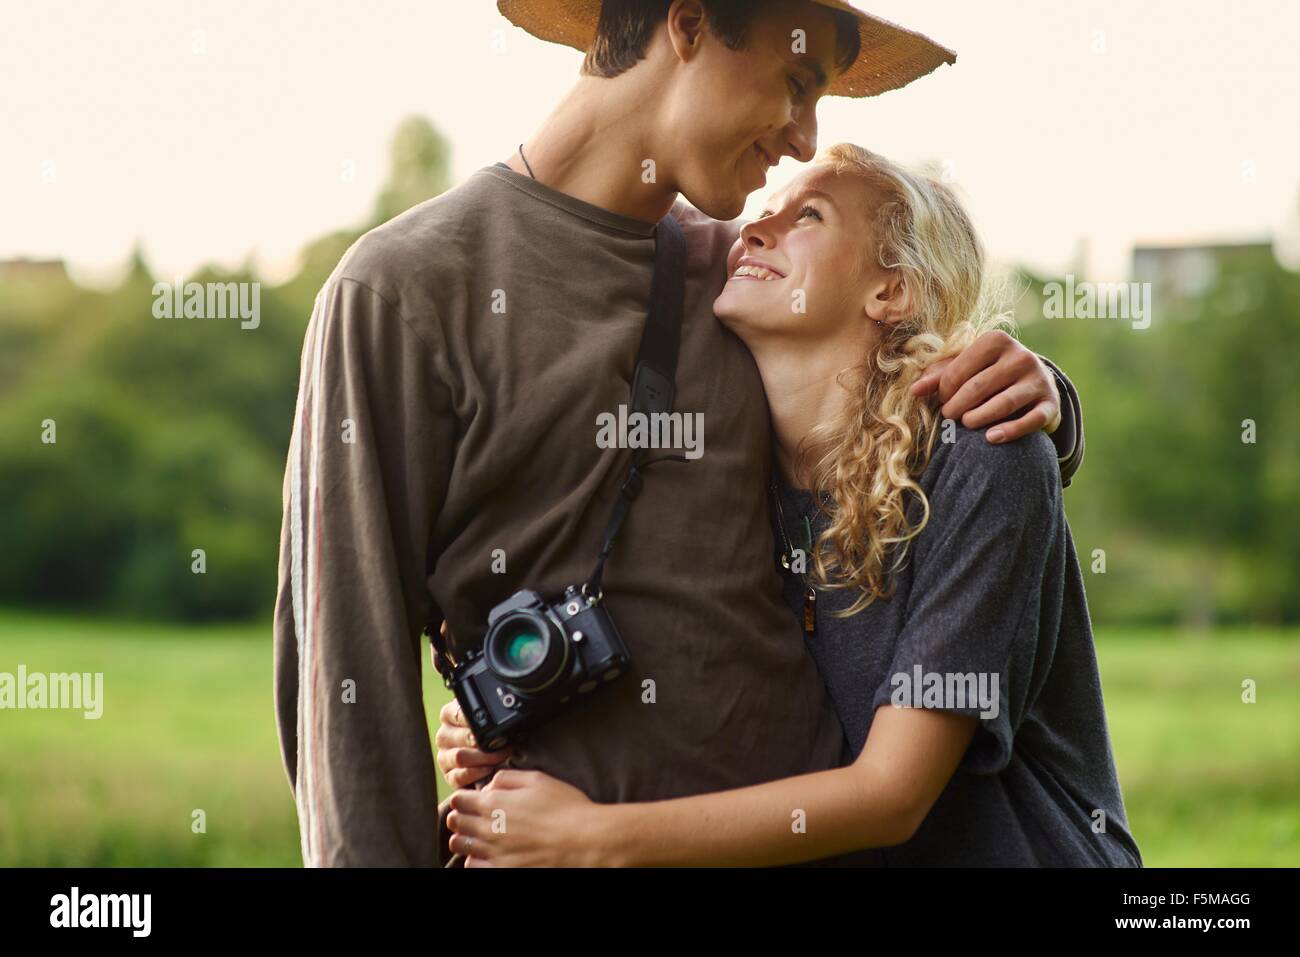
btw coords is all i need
(820, 179)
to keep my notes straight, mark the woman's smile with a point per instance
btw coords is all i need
(750, 268)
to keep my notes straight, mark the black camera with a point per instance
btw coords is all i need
(536, 659)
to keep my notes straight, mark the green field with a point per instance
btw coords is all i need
(1208, 780)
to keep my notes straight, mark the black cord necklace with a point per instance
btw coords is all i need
(525, 159)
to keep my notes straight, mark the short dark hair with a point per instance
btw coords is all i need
(625, 27)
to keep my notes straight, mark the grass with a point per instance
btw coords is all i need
(188, 724)
(1207, 779)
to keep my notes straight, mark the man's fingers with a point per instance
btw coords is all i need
(977, 389)
(451, 758)
(1031, 421)
(466, 777)
(469, 757)
(1001, 406)
(979, 355)
(929, 380)
(448, 737)
(452, 714)
(475, 758)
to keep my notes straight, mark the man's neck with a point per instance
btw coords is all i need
(594, 144)
(804, 388)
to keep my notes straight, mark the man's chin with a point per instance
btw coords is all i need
(720, 206)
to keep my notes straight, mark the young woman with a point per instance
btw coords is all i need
(934, 573)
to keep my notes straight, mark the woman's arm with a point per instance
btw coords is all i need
(878, 801)
(526, 817)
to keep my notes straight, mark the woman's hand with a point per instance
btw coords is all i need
(459, 758)
(529, 819)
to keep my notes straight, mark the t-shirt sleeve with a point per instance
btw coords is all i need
(1068, 437)
(970, 636)
(367, 472)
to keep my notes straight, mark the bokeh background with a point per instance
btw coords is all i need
(233, 142)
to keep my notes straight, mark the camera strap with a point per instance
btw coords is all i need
(653, 382)
(653, 388)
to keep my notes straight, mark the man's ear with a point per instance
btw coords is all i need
(685, 26)
(889, 299)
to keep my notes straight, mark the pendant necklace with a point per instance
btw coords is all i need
(787, 559)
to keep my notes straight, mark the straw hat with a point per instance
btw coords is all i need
(890, 57)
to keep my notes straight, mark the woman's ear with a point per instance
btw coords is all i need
(889, 299)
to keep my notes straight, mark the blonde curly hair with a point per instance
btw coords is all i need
(866, 463)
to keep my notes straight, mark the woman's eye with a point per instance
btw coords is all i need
(809, 210)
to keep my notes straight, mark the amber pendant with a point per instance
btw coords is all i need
(810, 611)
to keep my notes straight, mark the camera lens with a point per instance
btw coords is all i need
(526, 650)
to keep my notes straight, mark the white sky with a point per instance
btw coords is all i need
(211, 131)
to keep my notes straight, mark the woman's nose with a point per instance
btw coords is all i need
(758, 235)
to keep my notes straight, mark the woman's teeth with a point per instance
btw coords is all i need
(757, 272)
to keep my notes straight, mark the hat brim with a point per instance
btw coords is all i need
(890, 56)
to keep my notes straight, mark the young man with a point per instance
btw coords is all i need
(445, 449)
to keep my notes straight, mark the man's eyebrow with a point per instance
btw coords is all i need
(813, 65)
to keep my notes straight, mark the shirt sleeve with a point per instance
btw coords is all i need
(367, 470)
(979, 574)
(1068, 437)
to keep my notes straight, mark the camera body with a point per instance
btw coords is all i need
(536, 660)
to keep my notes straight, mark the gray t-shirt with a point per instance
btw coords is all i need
(992, 585)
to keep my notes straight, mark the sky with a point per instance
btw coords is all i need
(223, 131)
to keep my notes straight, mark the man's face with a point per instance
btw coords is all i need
(735, 113)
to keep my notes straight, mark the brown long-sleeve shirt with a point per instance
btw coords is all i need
(444, 454)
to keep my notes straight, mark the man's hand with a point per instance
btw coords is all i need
(992, 378)
(459, 758)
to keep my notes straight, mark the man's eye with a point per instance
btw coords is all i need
(795, 86)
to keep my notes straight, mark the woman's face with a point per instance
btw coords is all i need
(805, 267)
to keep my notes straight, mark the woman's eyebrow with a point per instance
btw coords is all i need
(808, 194)
(804, 195)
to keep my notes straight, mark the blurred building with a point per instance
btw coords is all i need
(32, 269)
(1184, 272)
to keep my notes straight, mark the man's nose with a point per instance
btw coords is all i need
(801, 136)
